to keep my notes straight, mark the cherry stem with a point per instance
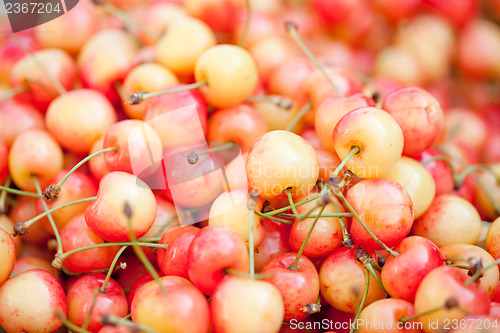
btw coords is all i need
(251, 245)
(488, 194)
(273, 218)
(480, 273)
(166, 224)
(372, 272)
(346, 236)
(29, 223)
(279, 101)
(14, 91)
(128, 21)
(298, 116)
(127, 209)
(50, 193)
(415, 316)
(57, 85)
(68, 324)
(19, 192)
(303, 217)
(113, 320)
(246, 27)
(290, 200)
(363, 300)
(137, 97)
(3, 196)
(112, 268)
(354, 151)
(291, 28)
(295, 265)
(194, 157)
(300, 203)
(375, 238)
(473, 168)
(92, 306)
(49, 216)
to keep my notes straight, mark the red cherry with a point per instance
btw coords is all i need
(17, 117)
(384, 316)
(275, 242)
(174, 259)
(439, 170)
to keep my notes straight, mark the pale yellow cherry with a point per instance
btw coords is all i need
(230, 72)
(277, 117)
(246, 305)
(490, 277)
(449, 220)
(281, 160)
(416, 180)
(183, 42)
(7, 255)
(230, 209)
(493, 239)
(483, 203)
(145, 77)
(378, 137)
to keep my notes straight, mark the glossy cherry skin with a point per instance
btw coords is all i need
(281, 159)
(440, 285)
(174, 259)
(240, 124)
(97, 165)
(112, 301)
(77, 186)
(439, 170)
(214, 249)
(386, 209)
(183, 308)
(246, 305)
(80, 117)
(449, 220)
(17, 117)
(106, 216)
(383, 316)
(145, 278)
(378, 136)
(8, 255)
(20, 299)
(275, 242)
(138, 145)
(77, 234)
(401, 275)
(342, 281)
(298, 287)
(34, 152)
(419, 115)
(29, 262)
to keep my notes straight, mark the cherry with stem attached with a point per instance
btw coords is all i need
(139, 96)
(363, 300)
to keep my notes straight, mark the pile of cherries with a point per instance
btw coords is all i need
(252, 166)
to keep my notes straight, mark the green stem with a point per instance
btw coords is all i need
(292, 30)
(3, 196)
(473, 168)
(480, 273)
(248, 18)
(375, 277)
(354, 150)
(300, 203)
(14, 91)
(295, 265)
(363, 300)
(49, 216)
(112, 268)
(113, 320)
(169, 221)
(273, 218)
(137, 97)
(375, 238)
(68, 324)
(298, 116)
(303, 217)
(92, 306)
(415, 316)
(251, 245)
(345, 234)
(486, 191)
(288, 192)
(19, 192)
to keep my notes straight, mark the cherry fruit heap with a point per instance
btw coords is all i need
(252, 166)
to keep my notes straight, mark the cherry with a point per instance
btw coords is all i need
(241, 124)
(157, 17)
(299, 288)
(104, 216)
(416, 180)
(34, 152)
(334, 11)
(25, 210)
(7, 225)
(331, 110)
(444, 288)
(342, 281)
(377, 136)
(4, 161)
(28, 262)
(488, 207)
(269, 52)
(12, 50)
(77, 119)
(172, 51)
(174, 260)
(77, 234)
(459, 12)
(418, 114)
(386, 209)
(23, 312)
(384, 316)
(183, 308)
(399, 64)
(138, 148)
(281, 160)
(328, 162)
(17, 117)
(275, 242)
(449, 220)
(230, 73)
(97, 165)
(475, 257)
(145, 77)
(8, 257)
(288, 79)
(246, 305)
(395, 11)
(220, 15)
(145, 278)
(166, 219)
(213, 251)
(440, 170)
(460, 126)
(401, 275)
(86, 309)
(493, 239)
